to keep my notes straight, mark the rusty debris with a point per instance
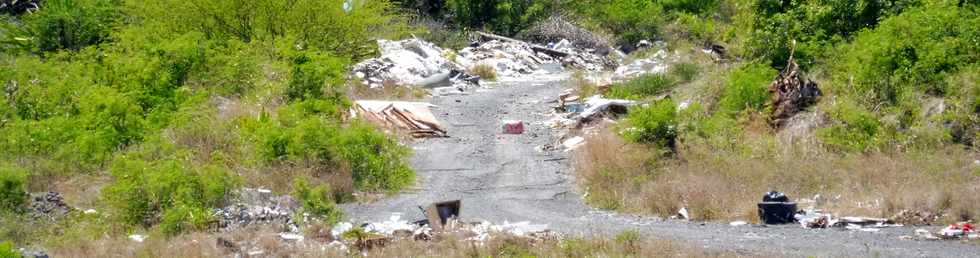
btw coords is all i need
(791, 93)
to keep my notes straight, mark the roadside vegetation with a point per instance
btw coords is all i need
(152, 113)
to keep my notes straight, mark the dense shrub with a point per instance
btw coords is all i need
(13, 191)
(643, 86)
(317, 201)
(747, 88)
(909, 54)
(815, 26)
(168, 191)
(377, 160)
(73, 24)
(630, 20)
(316, 76)
(655, 124)
(854, 128)
(7, 250)
(503, 16)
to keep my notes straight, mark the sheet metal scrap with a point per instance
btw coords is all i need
(414, 117)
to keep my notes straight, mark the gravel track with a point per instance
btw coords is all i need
(503, 178)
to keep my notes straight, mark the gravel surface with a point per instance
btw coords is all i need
(503, 178)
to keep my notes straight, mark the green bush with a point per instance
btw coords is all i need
(854, 128)
(317, 201)
(630, 20)
(377, 160)
(909, 54)
(315, 76)
(655, 124)
(686, 71)
(73, 24)
(168, 191)
(502, 16)
(7, 250)
(643, 86)
(13, 191)
(747, 88)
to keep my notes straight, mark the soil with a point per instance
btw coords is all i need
(502, 178)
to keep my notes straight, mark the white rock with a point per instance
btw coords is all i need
(738, 223)
(291, 237)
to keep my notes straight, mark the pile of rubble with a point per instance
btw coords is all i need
(410, 62)
(575, 117)
(960, 231)
(656, 63)
(48, 205)
(258, 207)
(557, 28)
(508, 58)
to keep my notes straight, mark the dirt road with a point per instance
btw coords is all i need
(503, 178)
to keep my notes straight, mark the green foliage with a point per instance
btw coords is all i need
(910, 54)
(503, 16)
(814, 25)
(72, 24)
(321, 25)
(7, 250)
(685, 72)
(655, 124)
(854, 129)
(317, 201)
(690, 6)
(747, 88)
(13, 191)
(170, 191)
(316, 77)
(630, 240)
(643, 86)
(377, 160)
(630, 20)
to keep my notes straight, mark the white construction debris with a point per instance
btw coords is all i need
(407, 62)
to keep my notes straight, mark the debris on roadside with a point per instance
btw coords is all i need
(791, 93)
(414, 117)
(964, 231)
(411, 62)
(252, 206)
(441, 219)
(738, 223)
(916, 217)
(138, 238)
(557, 28)
(513, 126)
(597, 106)
(653, 64)
(508, 58)
(30, 253)
(776, 208)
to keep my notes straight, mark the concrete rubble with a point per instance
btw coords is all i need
(410, 62)
(258, 207)
(656, 63)
(414, 117)
(508, 58)
(48, 205)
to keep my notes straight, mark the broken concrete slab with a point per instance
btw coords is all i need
(414, 117)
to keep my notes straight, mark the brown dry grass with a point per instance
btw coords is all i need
(485, 71)
(715, 183)
(627, 244)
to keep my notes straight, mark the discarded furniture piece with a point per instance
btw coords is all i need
(776, 208)
(513, 126)
(440, 213)
(414, 117)
(791, 93)
(597, 105)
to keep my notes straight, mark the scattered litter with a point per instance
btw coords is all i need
(776, 208)
(683, 214)
(291, 237)
(573, 143)
(958, 230)
(513, 127)
(654, 64)
(415, 117)
(90, 211)
(138, 238)
(738, 223)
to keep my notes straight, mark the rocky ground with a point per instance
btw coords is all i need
(502, 177)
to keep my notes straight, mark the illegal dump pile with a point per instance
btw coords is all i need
(410, 62)
(575, 117)
(791, 93)
(414, 117)
(258, 207)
